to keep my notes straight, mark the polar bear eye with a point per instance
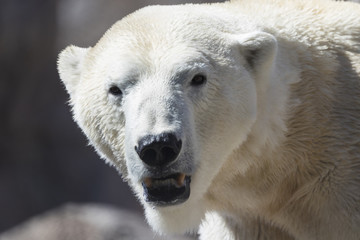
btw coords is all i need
(115, 91)
(198, 80)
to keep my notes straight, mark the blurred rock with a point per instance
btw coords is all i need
(84, 222)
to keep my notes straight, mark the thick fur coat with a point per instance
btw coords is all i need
(263, 99)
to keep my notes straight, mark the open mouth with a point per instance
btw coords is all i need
(165, 191)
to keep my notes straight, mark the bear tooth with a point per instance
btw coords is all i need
(180, 179)
(148, 182)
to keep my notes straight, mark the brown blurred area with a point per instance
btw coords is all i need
(44, 158)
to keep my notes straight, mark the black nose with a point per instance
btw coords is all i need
(158, 150)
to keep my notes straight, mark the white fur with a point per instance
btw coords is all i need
(271, 140)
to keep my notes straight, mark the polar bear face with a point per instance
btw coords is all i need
(166, 96)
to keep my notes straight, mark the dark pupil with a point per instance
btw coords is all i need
(198, 80)
(115, 91)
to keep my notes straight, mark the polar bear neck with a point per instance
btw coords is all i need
(297, 126)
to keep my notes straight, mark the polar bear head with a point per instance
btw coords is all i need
(166, 96)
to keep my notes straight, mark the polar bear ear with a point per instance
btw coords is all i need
(258, 49)
(70, 65)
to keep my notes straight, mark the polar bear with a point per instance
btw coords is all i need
(239, 120)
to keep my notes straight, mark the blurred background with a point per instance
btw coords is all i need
(44, 158)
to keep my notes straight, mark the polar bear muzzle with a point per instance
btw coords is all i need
(163, 187)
